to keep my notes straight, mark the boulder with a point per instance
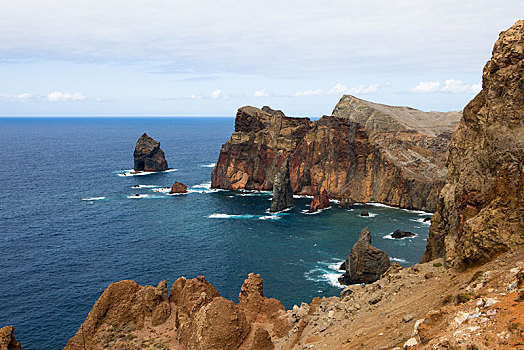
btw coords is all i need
(282, 190)
(365, 263)
(398, 234)
(7, 339)
(178, 187)
(319, 201)
(346, 202)
(148, 155)
(364, 212)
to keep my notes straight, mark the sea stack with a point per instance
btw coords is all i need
(148, 155)
(319, 201)
(480, 211)
(178, 187)
(282, 190)
(365, 263)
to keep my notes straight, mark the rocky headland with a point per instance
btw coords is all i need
(148, 155)
(364, 152)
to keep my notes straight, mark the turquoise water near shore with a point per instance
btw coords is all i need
(72, 223)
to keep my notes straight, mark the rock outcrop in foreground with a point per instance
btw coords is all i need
(7, 339)
(365, 263)
(148, 155)
(480, 211)
(364, 152)
(320, 201)
(192, 315)
(282, 191)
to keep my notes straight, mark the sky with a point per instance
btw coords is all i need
(208, 58)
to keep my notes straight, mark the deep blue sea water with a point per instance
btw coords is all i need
(62, 244)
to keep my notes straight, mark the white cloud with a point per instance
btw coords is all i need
(341, 89)
(450, 86)
(195, 97)
(57, 96)
(216, 94)
(261, 93)
(24, 97)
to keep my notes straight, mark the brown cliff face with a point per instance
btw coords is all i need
(481, 207)
(402, 168)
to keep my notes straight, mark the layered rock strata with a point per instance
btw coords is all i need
(480, 211)
(282, 190)
(365, 263)
(148, 155)
(381, 160)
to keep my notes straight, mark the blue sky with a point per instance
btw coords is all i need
(207, 58)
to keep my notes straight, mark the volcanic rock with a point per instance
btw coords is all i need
(178, 187)
(282, 191)
(148, 155)
(378, 159)
(364, 212)
(365, 263)
(320, 201)
(402, 234)
(480, 210)
(7, 339)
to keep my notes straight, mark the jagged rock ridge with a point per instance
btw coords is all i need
(401, 168)
(480, 210)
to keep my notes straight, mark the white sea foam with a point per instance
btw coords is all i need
(270, 217)
(336, 201)
(326, 272)
(371, 215)
(212, 165)
(230, 216)
(132, 172)
(205, 185)
(307, 212)
(399, 260)
(380, 205)
(396, 239)
(145, 186)
(421, 220)
(93, 198)
(141, 195)
(162, 189)
(302, 196)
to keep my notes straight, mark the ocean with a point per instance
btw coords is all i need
(72, 223)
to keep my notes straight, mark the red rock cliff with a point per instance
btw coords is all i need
(399, 166)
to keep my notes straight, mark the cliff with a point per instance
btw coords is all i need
(480, 210)
(378, 159)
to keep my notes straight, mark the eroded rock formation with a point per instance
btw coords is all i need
(398, 160)
(282, 190)
(178, 187)
(148, 155)
(365, 263)
(480, 210)
(319, 201)
(7, 339)
(192, 316)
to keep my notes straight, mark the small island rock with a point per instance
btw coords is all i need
(282, 190)
(320, 201)
(365, 263)
(178, 187)
(398, 234)
(364, 212)
(148, 155)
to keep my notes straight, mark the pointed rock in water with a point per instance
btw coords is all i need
(148, 155)
(282, 190)
(7, 339)
(480, 211)
(319, 201)
(365, 264)
(178, 187)
(402, 234)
